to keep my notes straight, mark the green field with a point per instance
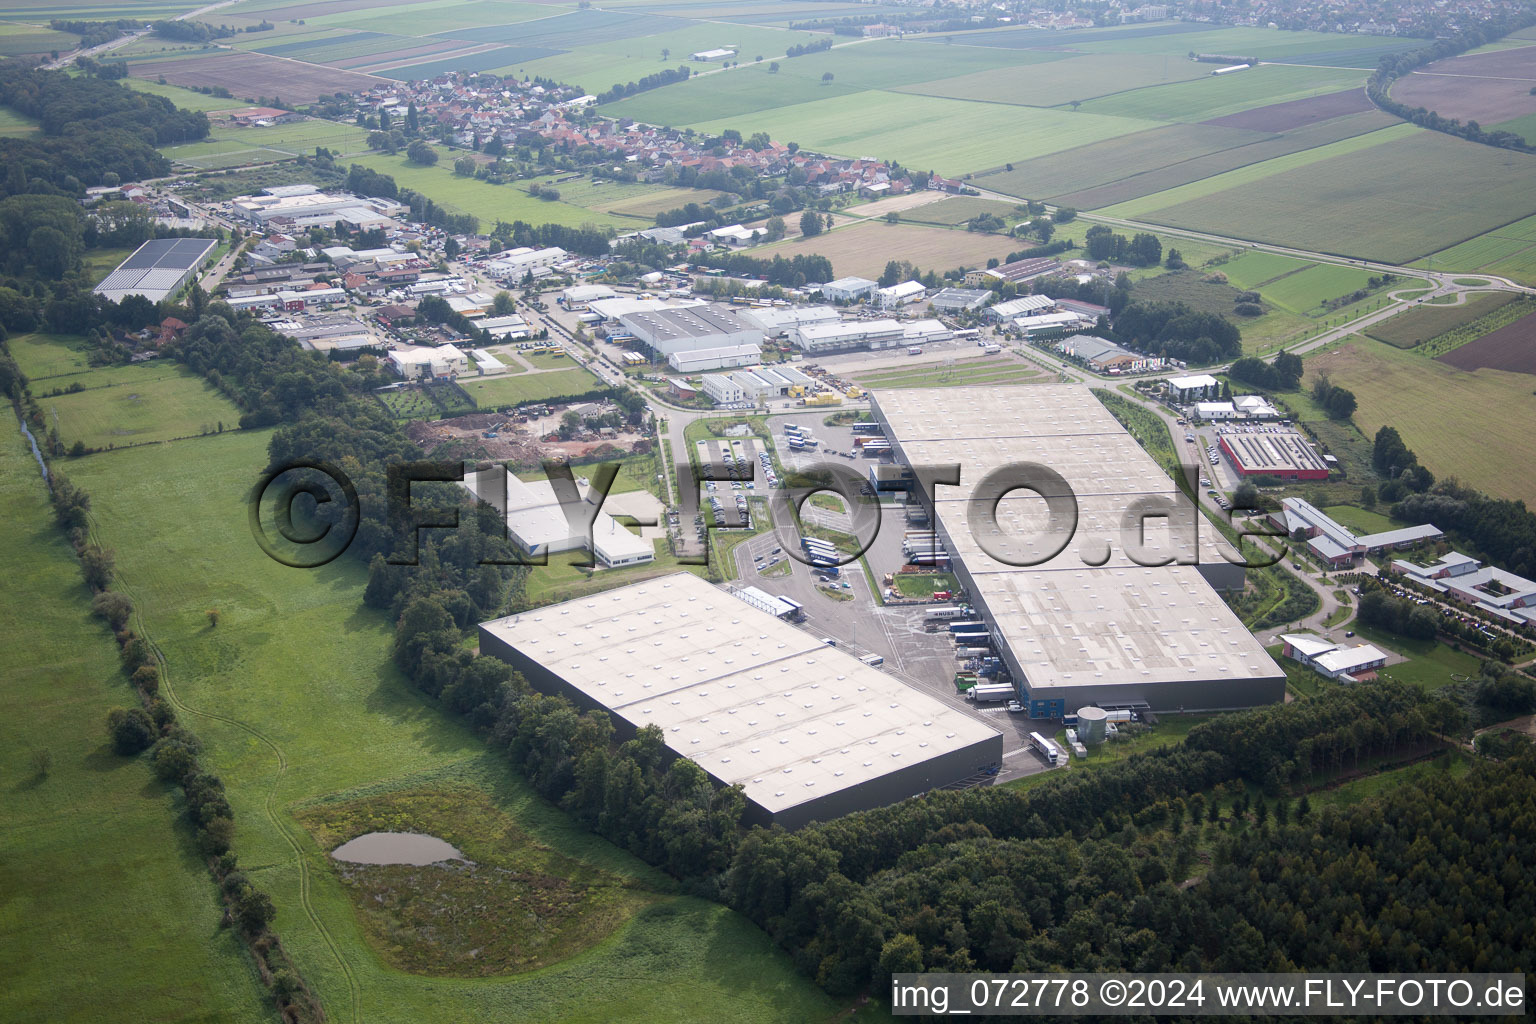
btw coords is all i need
(1430, 664)
(1442, 413)
(488, 202)
(1349, 209)
(229, 146)
(1206, 97)
(107, 909)
(13, 123)
(937, 375)
(528, 387)
(1509, 251)
(151, 405)
(309, 707)
(17, 39)
(1061, 82)
(48, 355)
(1418, 325)
(187, 99)
(949, 136)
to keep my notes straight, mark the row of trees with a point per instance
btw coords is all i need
(1394, 66)
(791, 272)
(1502, 530)
(666, 76)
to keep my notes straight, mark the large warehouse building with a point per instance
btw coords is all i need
(1283, 454)
(809, 732)
(157, 269)
(665, 331)
(1118, 634)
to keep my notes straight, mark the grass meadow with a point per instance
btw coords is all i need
(157, 403)
(107, 909)
(527, 387)
(488, 202)
(1442, 413)
(298, 703)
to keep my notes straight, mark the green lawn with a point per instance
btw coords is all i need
(48, 355)
(150, 405)
(1361, 520)
(187, 99)
(309, 705)
(1430, 664)
(228, 146)
(528, 387)
(107, 909)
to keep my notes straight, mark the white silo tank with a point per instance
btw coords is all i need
(1090, 725)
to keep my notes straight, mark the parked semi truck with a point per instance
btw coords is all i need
(982, 693)
(1046, 748)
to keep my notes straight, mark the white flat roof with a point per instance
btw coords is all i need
(752, 700)
(1068, 623)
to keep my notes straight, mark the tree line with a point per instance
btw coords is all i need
(1173, 329)
(1394, 66)
(667, 76)
(793, 272)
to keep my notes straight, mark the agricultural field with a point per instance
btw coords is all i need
(1511, 346)
(488, 202)
(1207, 98)
(187, 99)
(628, 199)
(18, 39)
(1522, 126)
(1165, 158)
(1260, 334)
(1423, 322)
(1486, 87)
(126, 929)
(1292, 114)
(959, 209)
(922, 131)
(864, 249)
(229, 146)
(1442, 412)
(312, 713)
(527, 387)
(1509, 251)
(1063, 82)
(155, 404)
(250, 76)
(1348, 211)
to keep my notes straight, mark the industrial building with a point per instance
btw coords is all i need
(903, 294)
(1198, 387)
(776, 321)
(1103, 356)
(1024, 305)
(577, 296)
(1355, 664)
(413, 362)
(848, 335)
(722, 390)
(687, 329)
(1337, 545)
(1494, 591)
(1284, 454)
(305, 206)
(1086, 625)
(723, 358)
(959, 300)
(809, 733)
(514, 265)
(157, 269)
(848, 289)
(539, 526)
(1016, 272)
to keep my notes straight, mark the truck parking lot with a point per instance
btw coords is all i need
(861, 625)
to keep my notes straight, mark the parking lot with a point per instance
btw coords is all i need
(860, 626)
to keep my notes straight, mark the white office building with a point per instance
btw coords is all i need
(722, 390)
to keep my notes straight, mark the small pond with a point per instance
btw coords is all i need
(396, 848)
